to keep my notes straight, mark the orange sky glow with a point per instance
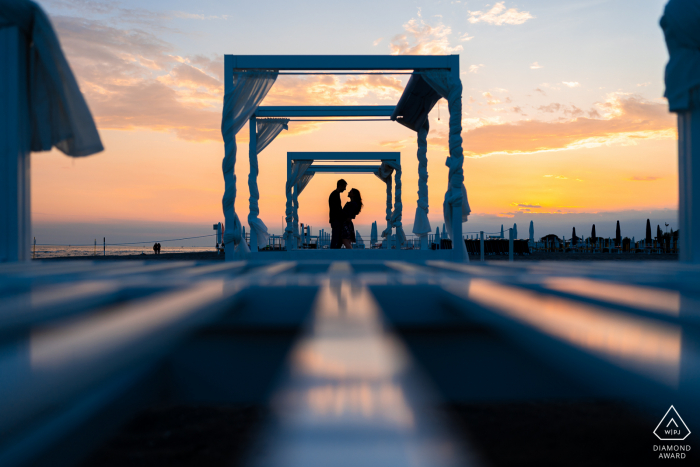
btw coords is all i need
(542, 143)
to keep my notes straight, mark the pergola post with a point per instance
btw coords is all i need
(252, 177)
(459, 250)
(15, 207)
(689, 184)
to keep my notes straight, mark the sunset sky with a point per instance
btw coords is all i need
(564, 120)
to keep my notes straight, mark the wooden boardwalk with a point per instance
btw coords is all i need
(350, 357)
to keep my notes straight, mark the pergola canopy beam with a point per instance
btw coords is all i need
(343, 156)
(340, 62)
(326, 111)
(342, 169)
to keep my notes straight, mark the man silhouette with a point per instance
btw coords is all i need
(336, 213)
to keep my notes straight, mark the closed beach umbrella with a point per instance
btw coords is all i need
(515, 231)
(618, 236)
(373, 234)
(573, 236)
(659, 233)
(502, 236)
(593, 235)
(532, 232)
(358, 238)
(648, 233)
(437, 235)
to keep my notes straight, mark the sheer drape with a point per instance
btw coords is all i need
(59, 114)
(680, 25)
(267, 130)
(240, 103)
(456, 194)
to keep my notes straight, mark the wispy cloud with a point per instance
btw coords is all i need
(571, 84)
(498, 15)
(536, 66)
(465, 37)
(527, 206)
(421, 38)
(378, 41)
(624, 120)
(643, 179)
(475, 68)
(134, 80)
(185, 15)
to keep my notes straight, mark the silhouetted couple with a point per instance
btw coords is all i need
(343, 230)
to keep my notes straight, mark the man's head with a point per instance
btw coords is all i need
(342, 184)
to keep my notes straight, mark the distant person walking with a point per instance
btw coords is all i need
(336, 214)
(351, 209)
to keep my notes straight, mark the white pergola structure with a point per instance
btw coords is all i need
(248, 79)
(301, 169)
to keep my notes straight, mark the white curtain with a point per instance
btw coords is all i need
(680, 25)
(421, 224)
(299, 169)
(267, 130)
(240, 103)
(456, 195)
(304, 180)
(59, 114)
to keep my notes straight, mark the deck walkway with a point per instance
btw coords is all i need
(350, 356)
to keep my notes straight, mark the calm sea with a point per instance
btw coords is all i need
(87, 251)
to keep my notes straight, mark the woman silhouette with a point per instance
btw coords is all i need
(351, 209)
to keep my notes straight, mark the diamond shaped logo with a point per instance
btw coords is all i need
(671, 427)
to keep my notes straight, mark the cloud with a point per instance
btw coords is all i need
(465, 37)
(643, 179)
(332, 90)
(536, 66)
(540, 91)
(642, 85)
(569, 111)
(571, 84)
(475, 68)
(420, 38)
(498, 15)
(520, 205)
(134, 80)
(185, 15)
(378, 41)
(625, 120)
